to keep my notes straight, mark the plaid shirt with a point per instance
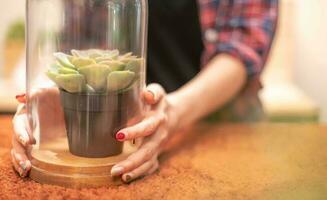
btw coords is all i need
(242, 28)
(245, 30)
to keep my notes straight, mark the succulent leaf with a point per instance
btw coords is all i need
(71, 82)
(52, 75)
(65, 70)
(63, 60)
(127, 55)
(79, 53)
(89, 89)
(94, 53)
(96, 76)
(82, 62)
(119, 80)
(127, 59)
(134, 65)
(108, 55)
(103, 59)
(70, 58)
(113, 54)
(55, 67)
(114, 65)
(95, 71)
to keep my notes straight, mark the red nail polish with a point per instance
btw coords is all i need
(128, 178)
(21, 98)
(120, 136)
(151, 94)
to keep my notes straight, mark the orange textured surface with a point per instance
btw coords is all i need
(237, 161)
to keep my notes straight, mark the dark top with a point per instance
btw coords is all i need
(175, 42)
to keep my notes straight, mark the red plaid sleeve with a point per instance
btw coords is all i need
(242, 28)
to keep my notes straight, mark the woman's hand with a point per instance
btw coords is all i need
(158, 122)
(50, 115)
(21, 142)
(155, 128)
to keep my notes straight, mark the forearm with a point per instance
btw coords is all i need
(212, 88)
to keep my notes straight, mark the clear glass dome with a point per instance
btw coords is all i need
(85, 73)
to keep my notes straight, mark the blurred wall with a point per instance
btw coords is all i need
(310, 64)
(279, 67)
(11, 82)
(9, 12)
(298, 59)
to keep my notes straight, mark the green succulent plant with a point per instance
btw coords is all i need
(95, 71)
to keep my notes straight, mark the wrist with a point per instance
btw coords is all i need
(174, 113)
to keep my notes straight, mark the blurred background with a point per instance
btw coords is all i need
(294, 78)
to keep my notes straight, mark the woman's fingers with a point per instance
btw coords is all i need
(21, 130)
(144, 161)
(19, 158)
(144, 154)
(140, 171)
(22, 167)
(154, 168)
(14, 161)
(145, 128)
(21, 98)
(153, 94)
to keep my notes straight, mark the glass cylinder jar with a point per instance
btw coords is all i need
(85, 73)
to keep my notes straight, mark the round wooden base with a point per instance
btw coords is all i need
(53, 164)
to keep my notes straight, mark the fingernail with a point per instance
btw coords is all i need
(23, 165)
(22, 169)
(120, 136)
(128, 178)
(21, 172)
(33, 141)
(21, 98)
(22, 140)
(115, 171)
(152, 93)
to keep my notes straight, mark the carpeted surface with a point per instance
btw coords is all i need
(214, 162)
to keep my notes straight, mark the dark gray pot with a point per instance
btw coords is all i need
(92, 120)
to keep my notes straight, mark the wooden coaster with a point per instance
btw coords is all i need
(53, 164)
